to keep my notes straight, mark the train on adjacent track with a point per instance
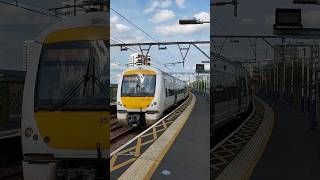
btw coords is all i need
(66, 100)
(231, 91)
(145, 93)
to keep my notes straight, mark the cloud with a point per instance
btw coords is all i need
(121, 28)
(311, 18)
(177, 29)
(248, 21)
(114, 19)
(203, 16)
(162, 15)
(116, 26)
(135, 38)
(157, 4)
(180, 3)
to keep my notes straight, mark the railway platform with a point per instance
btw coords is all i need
(293, 151)
(188, 157)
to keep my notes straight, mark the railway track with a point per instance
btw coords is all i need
(119, 132)
(222, 154)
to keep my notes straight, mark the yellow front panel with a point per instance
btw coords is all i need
(136, 102)
(76, 34)
(149, 72)
(74, 130)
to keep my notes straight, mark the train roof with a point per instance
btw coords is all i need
(93, 19)
(143, 67)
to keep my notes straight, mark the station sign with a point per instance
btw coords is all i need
(200, 68)
(288, 18)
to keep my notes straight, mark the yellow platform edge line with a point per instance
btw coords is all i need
(147, 163)
(242, 167)
(250, 170)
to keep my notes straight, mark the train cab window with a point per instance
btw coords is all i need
(73, 75)
(138, 85)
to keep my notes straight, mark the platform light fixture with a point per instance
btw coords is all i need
(192, 21)
(316, 2)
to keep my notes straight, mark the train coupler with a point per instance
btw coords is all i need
(136, 120)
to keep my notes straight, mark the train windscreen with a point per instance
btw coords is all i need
(73, 75)
(138, 85)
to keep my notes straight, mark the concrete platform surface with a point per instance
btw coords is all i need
(293, 151)
(189, 155)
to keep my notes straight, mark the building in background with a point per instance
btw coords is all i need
(77, 7)
(137, 59)
(27, 48)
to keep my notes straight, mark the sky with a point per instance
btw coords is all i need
(256, 17)
(18, 25)
(159, 18)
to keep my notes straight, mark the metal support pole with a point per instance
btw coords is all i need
(312, 114)
(302, 79)
(291, 89)
(274, 79)
(308, 86)
(74, 7)
(284, 79)
(278, 86)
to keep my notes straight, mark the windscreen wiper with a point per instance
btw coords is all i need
(74, 89)
(70, 94)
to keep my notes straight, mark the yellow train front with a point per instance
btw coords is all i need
(66, 102)
(144, 93)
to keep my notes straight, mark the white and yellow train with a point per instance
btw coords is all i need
(66, 102)
(144, 93)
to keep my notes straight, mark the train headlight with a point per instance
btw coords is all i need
(46, 139)
(155, 103)
(35, 137)
(28, 132)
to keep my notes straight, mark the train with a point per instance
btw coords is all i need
(65, 107)
(144, 93)
(231, 91)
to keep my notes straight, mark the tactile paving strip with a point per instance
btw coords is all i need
(223, 155)
(130, 153)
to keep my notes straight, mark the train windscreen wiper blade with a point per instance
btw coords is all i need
(69, 94)
(73, 90)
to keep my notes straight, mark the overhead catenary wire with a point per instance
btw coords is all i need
(134, 25)
(30, 7)
(118, 41)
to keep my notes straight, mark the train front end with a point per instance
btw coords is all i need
(138, 97)
(65, 104)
